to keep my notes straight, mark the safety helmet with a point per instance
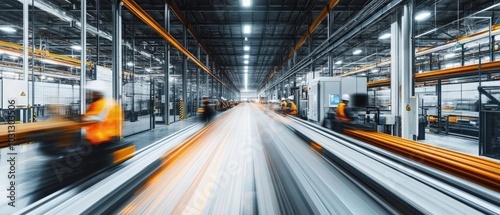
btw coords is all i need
(346, 97)
(282, 98)
(290, 98)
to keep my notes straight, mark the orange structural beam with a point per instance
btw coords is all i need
(39, 54)
(445, 73)
(142, 15)
(379, 83)
(472, 168)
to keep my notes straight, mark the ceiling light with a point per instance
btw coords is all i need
(246, 56)
(357, 52)
(246, 38)
(246, 70)
(8, 29)
(148, 70)
(246, 67)
(299, 78)
(385, 36)
(76, 47)
(130, 64)
(247, 29)
(422, 16)
(246, 3)
(374, 71)
(450, 55)
(246, 48)
(245, 62)
(338, 62)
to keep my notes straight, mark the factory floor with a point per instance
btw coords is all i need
(455, 143)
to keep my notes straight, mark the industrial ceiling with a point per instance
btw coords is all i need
(276, 26)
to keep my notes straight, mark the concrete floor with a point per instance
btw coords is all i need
(454, 143)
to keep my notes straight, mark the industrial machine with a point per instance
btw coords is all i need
(325, 92)
(489, 135)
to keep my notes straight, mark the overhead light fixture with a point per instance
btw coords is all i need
(246, 56)
(246, 67)
(76, 47)
(246, 70)
(357, 52)
(245, 62)
(338, 62)
(246, 3)
(374, 71)
(385, 36)
(422, 16)
(246, 48)
(130, 64)
(246, 38)
(148, 70)
(8, 29)
(450, 55)
(299, 78)
(247, 29)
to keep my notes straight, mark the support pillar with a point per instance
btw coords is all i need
(83, 57)
(184, 73)
(330, 30)
(395, 97)
(166, 69)
(409, 117)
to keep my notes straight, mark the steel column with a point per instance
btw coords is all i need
(184, 71)
(117, 51)
(166, 69)
(83, 58)
(408, 120)
(331, 17)
(25, 62)
(206, 77)
(32, 94)
(395, 68)
(198, 82)
(97, 8)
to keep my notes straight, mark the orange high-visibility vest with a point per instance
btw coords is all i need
(110, 118)
(341, 113)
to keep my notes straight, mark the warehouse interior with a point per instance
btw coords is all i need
(423, 75)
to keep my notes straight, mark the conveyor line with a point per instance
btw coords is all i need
(475, 169)
(247, 162)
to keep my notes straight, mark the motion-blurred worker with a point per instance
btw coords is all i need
(107, 115)
(291, 107)
(344, 112)
(207, 109)
(283, 105)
